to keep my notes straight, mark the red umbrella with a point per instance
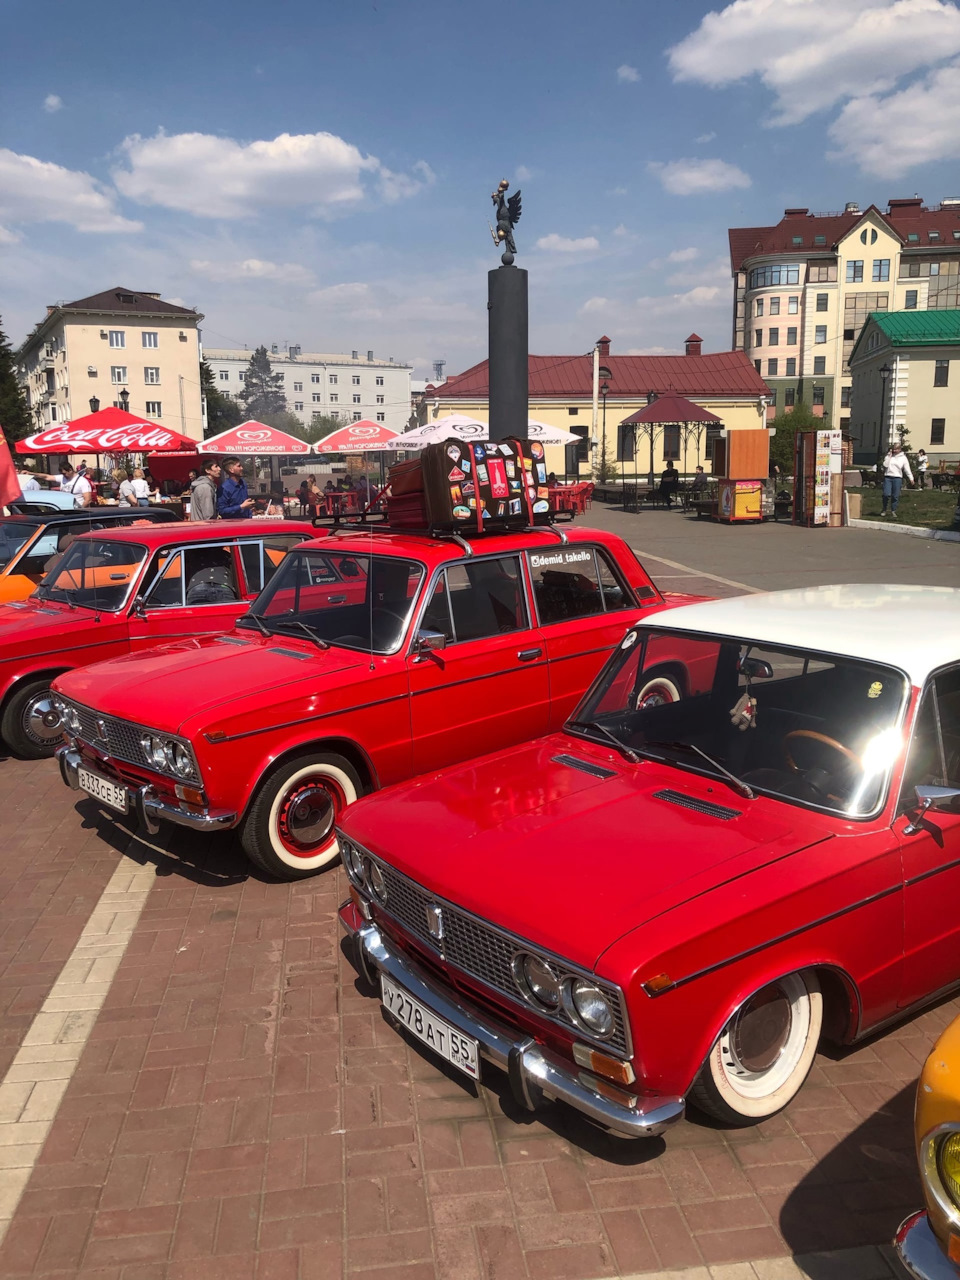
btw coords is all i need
(109, 431)
(254, 438)
(358, 437)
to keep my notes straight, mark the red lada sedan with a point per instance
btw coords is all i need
(673, 902)
(369, 658)
(118, 591)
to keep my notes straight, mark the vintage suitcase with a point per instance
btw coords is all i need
(406, 511)
(406, 477)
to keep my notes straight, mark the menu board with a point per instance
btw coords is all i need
(821, 477)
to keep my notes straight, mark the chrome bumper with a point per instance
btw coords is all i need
(146, 804)
(921, 1252)
(534, 1072)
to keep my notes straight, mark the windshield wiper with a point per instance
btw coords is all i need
(742, 787)
(255, 618)
(318, 640)
(46, 593)
(612, 738)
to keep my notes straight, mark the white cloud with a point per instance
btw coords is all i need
(702, 273)
(620, 230)
(9, 237)
(692, 177)
(683, 255)
(252, 269)
(522, 173)
(594, 304)
(221, 178)
(34, 190)
(627, 74)
(352, 293)
(617, 191)
(705, 137)
(652, 351)
(564, 244)
(702, 295)
(52, 102)
(886, 136)
(813, 54)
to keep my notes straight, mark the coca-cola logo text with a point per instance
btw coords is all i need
(70, 440)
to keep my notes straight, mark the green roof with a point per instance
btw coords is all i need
(919, 328)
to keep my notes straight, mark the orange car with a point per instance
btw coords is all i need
(28, 543)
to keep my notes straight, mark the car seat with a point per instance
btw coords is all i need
(211, 578)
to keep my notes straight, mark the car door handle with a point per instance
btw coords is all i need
(528, 655)
(336, 599)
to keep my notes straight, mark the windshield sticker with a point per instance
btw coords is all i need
(875, 689)
(548, 559)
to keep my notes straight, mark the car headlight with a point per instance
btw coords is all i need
(948, 1166)
(538, 980)
(71, 718)
(179, 759)
(154, 750)
(376, 881)
(592, 1007)
(351, 859)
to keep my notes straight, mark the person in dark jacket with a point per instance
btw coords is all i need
(203, 492)
(233, 501)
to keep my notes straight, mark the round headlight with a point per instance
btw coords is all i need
(352, 860)
(377, 882)
(71, 718)
(948, 1165)
(178, 759)
(592, 1007)
(153, 749)
(540, 980)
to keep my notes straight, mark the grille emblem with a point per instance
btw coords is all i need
(435, 921)
(102, 731)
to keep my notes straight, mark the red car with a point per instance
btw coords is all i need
(116, 591)
(673, 901)
(370, 657)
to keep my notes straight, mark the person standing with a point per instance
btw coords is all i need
(233, 501)
(126, 493)
(27, 480)
(896, 467)
(203, 492)
(923, 463)
(73, 482)
(140, 488)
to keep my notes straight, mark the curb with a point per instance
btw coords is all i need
(912, 530)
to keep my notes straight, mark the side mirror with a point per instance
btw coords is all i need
(429, 642)
(931, 798)
(138, 608)
(755, 669)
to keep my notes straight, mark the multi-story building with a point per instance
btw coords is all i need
(338, 386)
(120, 340)
(804, 288)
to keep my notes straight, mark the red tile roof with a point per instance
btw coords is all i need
(115, 301)
(725, 373)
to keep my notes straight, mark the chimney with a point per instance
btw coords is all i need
(604, 345)
(353, 355)
(693, 345)
(369, 355)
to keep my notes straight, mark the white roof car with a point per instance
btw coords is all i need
(915, 629)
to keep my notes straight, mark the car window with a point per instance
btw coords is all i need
(262, 558)
(12, 538)
(948, 710)
(54, 539)
(573, 582)
(486, 598)
(167, 589)
(95, 572)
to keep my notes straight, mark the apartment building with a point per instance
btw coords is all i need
(803, 290)
(339, 386)
(120, 340)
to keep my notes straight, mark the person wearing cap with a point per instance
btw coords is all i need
(896, 466)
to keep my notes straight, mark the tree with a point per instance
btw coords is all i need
(14, 415)
(262, 389)
(788, 425)
(223, 412)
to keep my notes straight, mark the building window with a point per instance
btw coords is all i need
(379, 382)
(151, 375)
(819, 365)
(356, 417)
(224, 375)
(797, 239)
(355, 380)
(381, 417)
(335, 414)
(849, 335)
(845, 397)
(792, 336)
(153, 409)
(763, 277)
(333, 379)
(150, 339)
(315, 377)
(793, 306)
(317, 397)
(774, 306)
(855, 271)
(380, 399)
(789, 397)
(910, 300)
(941, 372)
(937, 426)
(758, 337)
(818, 395)
(757, 365)
(298, 406)
(913, 268)
(759, 306)
(913, 237)
(934, 268)
(773, 338)
(772, 399)
(671, 442)
(118, 338)
(356, 399)
(334, 397)
(819, 239)
(242, 375)
(118, 374)
(881, 268)
(820, 333)
(822, 301)
(298, 386)
(792, 367)
(771, 368)
(873, 341)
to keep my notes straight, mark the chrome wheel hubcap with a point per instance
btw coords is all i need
(41, 719)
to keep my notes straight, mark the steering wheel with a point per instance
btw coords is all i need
(822, 740)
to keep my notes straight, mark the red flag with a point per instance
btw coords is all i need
(9, 482)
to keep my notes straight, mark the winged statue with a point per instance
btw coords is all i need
(508, 215)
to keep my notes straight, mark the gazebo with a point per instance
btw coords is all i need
(670, 410)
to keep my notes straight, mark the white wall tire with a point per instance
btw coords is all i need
(289, 829)
(764, 1053)
(659, 691)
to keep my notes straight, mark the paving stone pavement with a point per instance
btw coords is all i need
(241, 1109)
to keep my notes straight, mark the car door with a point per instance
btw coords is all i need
(30, 567)
(488, 687)
(931, 855)
(582, 609)
(189, 591)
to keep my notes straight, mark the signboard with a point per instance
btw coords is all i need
(821, 475)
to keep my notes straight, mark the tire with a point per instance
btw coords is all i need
(288, 830)
(763, 1054)
(658, 692)
(29, 725)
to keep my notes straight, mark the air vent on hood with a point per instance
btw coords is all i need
(288, 653)
(232, 640)
(595, 770)
(699, 806)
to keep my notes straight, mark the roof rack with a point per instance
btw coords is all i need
(377, 522)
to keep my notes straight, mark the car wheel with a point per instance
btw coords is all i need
(658, 691)
(764, 1053)
(289, 829)
(31, 725)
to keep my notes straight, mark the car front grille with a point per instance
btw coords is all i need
(119, 738)
(484, 952)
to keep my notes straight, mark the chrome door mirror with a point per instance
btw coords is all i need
(138, 608)
(429, 642)
(931, 798)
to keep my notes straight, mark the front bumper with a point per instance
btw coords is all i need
(921, 1252)
(534, 1072)
(150, 809)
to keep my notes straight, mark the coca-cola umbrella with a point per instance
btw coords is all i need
(109, 431)
(254, 437)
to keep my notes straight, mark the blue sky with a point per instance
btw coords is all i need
(320, 173)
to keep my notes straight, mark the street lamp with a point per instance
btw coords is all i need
(604, 391)
(124, 399)
(885, 372)
(94, 404)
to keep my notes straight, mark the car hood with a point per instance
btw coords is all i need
(189, 680)
(531, 842)
(31, 626)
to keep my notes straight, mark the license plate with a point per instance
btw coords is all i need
(443, 1039)
(103, 789)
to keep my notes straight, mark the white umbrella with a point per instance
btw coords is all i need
(461, 427)
(548, 434)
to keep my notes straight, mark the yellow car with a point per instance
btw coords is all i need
(929, 1241)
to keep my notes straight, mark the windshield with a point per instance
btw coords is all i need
(354, 601)
(94, 572)
(13, 535)
(808, 727)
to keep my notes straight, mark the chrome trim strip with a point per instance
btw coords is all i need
(289, 724)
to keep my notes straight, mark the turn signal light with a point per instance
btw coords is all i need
(360, 902)
(612, 1068)
(662, 982)
(192, 795)
(608, 1091)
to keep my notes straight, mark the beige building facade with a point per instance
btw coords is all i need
(119, 340)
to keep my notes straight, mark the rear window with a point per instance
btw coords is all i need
(574, 582)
